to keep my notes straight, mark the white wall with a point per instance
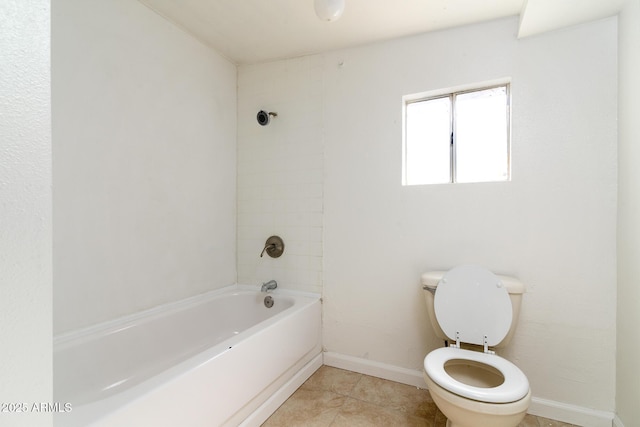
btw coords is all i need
(144, 162)
(553, 226)
(25, 210)
(280, 172)
(628, 374)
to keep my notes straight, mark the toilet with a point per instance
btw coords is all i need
(475, 312)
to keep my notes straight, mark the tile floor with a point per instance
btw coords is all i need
(338, 398)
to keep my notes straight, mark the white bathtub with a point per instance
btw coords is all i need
(219, 359)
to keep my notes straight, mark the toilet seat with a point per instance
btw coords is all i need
(514, 387)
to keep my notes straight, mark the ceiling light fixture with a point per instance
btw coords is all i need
(329, 10)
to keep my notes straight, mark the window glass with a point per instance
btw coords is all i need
(428, 142)
(481, 143)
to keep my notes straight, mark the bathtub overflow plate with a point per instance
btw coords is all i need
(268, 301)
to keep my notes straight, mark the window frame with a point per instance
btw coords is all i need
(452, 94)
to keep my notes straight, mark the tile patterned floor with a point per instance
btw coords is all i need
(334, 397)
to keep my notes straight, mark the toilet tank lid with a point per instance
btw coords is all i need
(430, 279)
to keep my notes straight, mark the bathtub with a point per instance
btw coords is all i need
(218, 359)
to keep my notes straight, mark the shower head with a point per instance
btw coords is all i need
(264, 118)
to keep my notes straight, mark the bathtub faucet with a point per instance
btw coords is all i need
(269, 286)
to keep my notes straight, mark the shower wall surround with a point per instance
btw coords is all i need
(144, 153)
(280, 172)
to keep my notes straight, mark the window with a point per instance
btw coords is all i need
(457, 137)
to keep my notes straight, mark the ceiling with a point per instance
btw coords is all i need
(250, 31)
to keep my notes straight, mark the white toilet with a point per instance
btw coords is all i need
(476, 311)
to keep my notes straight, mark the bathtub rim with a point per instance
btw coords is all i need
(91, 332)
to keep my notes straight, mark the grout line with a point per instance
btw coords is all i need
(336, 415)
(355, 385)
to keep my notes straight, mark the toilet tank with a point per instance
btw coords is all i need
(514, 287)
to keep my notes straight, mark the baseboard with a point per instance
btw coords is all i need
(265, 410)
(375, 369)
(541, 407)
(570, 413)
(617, 422)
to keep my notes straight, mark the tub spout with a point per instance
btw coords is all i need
(269, 286)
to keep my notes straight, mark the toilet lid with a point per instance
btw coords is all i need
(514, 387)
(472, 302)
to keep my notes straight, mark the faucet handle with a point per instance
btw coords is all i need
(274, 247)
(270, 247)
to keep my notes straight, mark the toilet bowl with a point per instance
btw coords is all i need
(475, 388)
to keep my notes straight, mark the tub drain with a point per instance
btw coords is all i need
(268, 301)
